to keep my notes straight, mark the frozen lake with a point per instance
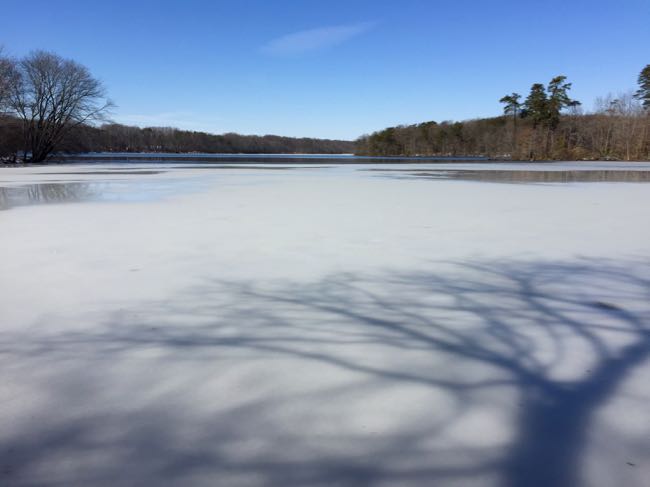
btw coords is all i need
(456, 324)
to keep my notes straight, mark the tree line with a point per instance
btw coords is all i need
(49, 105)
(547, 124)
(113, 137)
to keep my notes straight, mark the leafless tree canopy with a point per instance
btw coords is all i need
(52, 95)
(7, 79)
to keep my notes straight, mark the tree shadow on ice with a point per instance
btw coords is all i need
(558, 339)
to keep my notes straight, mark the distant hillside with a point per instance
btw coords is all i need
(547, 124)
(605, 135)
(122, 138)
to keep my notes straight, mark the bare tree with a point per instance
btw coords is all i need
(8, 127)
(53, 95)
(7, 79)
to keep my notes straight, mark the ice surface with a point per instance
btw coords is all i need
(174, 324)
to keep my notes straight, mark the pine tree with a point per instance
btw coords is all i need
(536, 105)
(643, 93)
(558, 99)
(512, 104)
(512, 107)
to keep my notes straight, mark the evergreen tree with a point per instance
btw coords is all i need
(558, 99)
(536, 105)
(544, 105)
(643, 93)
(512, 107)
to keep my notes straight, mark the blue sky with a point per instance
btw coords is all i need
(332, 68)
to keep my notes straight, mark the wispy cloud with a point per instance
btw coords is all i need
(315, 39)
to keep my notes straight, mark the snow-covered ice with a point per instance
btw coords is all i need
(172, 324)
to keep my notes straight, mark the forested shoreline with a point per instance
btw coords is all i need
(50, 106)
(604, 136)
(547, 125)
(112, 137)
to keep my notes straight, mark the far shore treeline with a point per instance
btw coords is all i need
(113, 137)
(51, 105)
(548, 124)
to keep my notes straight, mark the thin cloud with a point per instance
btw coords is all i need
(315, 39)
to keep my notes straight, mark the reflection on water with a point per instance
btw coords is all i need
(517, 176)
(249, 167)
(189, 178)
(75, 192)
(107, 157)
(105, 172)
(34, 194)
